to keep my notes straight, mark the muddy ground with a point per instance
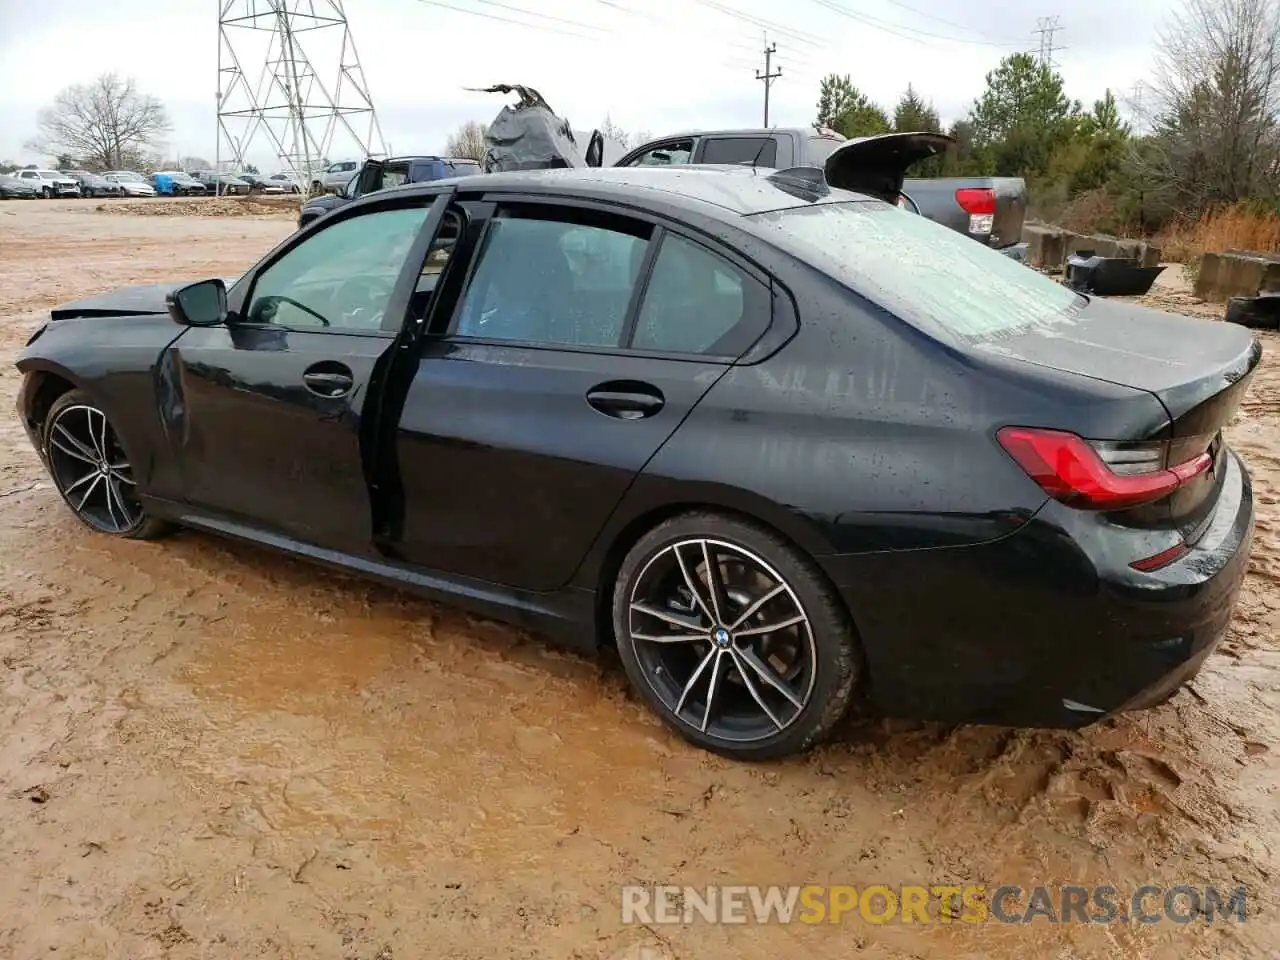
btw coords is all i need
(210, 751)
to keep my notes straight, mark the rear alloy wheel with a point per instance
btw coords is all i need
(91, 470)
(734, 637)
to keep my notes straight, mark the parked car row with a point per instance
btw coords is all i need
(35, 183)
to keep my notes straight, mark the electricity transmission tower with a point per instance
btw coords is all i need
(768, 77)
(288, 71)
(1047, 27)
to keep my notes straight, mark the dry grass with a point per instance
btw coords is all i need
(1239, 227)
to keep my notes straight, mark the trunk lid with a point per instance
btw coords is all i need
(1199, 370)
(877, 165)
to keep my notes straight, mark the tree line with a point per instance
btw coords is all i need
(1208, 126)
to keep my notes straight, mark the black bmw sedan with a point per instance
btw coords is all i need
(785, 446)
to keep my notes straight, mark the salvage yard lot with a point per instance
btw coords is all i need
(207, 750)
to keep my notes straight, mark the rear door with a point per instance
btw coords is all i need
(567, 344)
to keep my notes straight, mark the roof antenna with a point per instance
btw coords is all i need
(756, 159)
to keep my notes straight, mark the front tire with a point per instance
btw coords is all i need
(91, 470)
(734, 638)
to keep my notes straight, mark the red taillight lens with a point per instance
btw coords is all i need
(976, 200)
(1070, 470)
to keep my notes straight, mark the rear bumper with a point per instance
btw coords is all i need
(1036, 629)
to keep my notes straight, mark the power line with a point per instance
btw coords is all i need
(797, 36)
(543, 16)
(942, 20)
(518, 23)
(914, 34)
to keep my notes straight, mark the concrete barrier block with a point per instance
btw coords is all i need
(1046, 245)
(1237, 273)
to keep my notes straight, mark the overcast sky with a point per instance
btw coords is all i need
(652, 65)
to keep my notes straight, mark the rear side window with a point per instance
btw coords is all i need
(930, 276)
(759, 150)
(695, 300)
(552, 282)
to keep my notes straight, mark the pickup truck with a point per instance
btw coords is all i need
(989, 209)
(384, 174)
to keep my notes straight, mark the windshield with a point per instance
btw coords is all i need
(131, 177)
(927, 274)
(51, 174)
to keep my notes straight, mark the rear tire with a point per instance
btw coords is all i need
(92, 471)
(758, 663)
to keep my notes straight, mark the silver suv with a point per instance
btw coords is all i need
(49, 183)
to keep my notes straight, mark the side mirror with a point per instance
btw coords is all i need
(202, 304)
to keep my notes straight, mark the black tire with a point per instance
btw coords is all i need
(109, 504)
(46, 193)
(825, 638)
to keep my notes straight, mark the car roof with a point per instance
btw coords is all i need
(735, 188)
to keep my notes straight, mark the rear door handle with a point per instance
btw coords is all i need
(626, 399)
(328, 380)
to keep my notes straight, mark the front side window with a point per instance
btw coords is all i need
(552, 282)
(341, 277)
(664, 155)
(693, 300)
(927, 274)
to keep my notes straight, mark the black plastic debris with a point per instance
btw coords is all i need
(527, 135)
(1256, 313)
(1109, 276)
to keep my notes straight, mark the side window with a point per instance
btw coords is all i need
(341, 277)
(665, 154)
(552, 282)
(697, 302)
(437, 260)
(760, 150)
(822, 147)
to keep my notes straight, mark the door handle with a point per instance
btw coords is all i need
(626, 400)
(329, 383)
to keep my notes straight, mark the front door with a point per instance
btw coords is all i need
(580, 343)
(271, 413)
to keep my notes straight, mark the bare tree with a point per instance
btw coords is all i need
(612, 131)
(467, 141)
(101, 123)
(1216, 126)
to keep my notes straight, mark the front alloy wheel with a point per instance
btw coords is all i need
(734, 637)
(91, 470)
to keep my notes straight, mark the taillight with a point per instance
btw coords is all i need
(980, 204)
(1075, 472)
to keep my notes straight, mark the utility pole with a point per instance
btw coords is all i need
(1047, 27)
(768, 77)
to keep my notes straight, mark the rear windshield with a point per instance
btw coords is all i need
(927, 274)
